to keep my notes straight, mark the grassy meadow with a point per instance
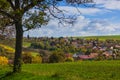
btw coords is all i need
(82, 70)
(114, 37)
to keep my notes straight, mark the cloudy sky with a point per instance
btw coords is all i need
(103, 19)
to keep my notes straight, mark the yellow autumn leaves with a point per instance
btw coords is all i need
(7, 48)
(3, 60)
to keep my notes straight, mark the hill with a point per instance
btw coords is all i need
(113, 37)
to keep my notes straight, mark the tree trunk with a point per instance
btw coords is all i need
(18, 46)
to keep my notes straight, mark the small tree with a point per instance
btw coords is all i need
(57, 57)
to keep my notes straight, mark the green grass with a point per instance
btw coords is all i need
(84, 70)
(114, 37)
(26, 44)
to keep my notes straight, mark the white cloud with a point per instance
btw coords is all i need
(83, 27)
(73, 10)
(109, 4)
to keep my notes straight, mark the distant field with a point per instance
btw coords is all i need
(83, 70)
(114, 37)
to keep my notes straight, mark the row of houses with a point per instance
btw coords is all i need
(105, 54)
(93, 56)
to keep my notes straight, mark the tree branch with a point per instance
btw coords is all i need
(17, 4)
(28, 7)
(6, 14)
(13, 7)
(31, 5)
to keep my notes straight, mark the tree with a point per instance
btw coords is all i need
(15, 10)
(57, 56)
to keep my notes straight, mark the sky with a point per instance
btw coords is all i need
(102, 19)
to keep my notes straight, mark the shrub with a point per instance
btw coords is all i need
(3, 60)
(45, 56)
(6, 51)
(37, 45)
(57, 57)
(1, 50)
(69, 59)
(37, 59)
(27, 57)
(7, 48)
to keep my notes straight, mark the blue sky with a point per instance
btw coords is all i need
(102, 20)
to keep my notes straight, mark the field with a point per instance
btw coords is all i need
(114, 37)
(82, 70)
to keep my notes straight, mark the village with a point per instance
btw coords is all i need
(78, 48)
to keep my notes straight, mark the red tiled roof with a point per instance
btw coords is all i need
(85, 57)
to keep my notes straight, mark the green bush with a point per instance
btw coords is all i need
(57, 57)
(2, 51)
(6, 51)
(69, 59)
(27, 57)
(37, 59)
(37, 45)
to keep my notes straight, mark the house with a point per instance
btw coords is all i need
(77, 54)
(67, 55)
(103, 48)
(85, 57)
(108, 54)
(117, 46)
(81, 56)
(75, 43)
(93, 55)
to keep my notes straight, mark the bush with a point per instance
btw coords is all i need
(37, 59)
(7, 48)
(3, 60)
(57, 57)
(69, 59)
(1, 50)
(45, 56)
(6, 51)
(27, 57)
(37, 45)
